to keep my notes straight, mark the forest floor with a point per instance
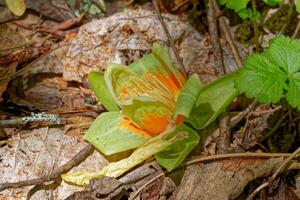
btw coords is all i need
(249, 152)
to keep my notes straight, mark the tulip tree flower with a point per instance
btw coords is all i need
(147, 103)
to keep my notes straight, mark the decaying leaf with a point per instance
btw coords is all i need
(126, 36)
(17, 7)
(38, 152)
(223, 180)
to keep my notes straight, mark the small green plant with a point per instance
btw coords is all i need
(240, 7)
(274, 74)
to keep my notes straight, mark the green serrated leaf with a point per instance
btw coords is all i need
(249, 14)
(188, 96)
(107, 134)
(213, 99)
(273, 74)
(293, 94)
(273, 2)
(174, 155)
(297, 3)
(97, 83)
(236, 5)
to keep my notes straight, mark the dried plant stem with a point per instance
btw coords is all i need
(236, 155)
(225, 29)
(297, 28)
(279, 170)
(236, 119)
(215, 39)
(224, 135)
(289, 18)
(27, 67)
(272, 131)
(78, 158)
(146, 184)
(255, 24)
(170, 40)
(33, 118)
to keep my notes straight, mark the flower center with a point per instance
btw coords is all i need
(150, 86)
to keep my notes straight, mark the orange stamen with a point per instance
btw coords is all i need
(170, 82)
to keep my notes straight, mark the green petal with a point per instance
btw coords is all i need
(172, 157)
(188, 96)
(116, 169)
(117, 78)
(157, 62)
(97, 83)
(108, 133)
(213, 99)
(143, 112)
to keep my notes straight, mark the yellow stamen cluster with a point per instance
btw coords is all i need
(149, 85)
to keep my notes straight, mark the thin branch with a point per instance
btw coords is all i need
(297, 28)
(214, 36)
(257, 190)
(274, 129)
(33, 118)
(285, 164)
(224, 135)
(256, 30)
(27, 67)
(148, 182)
(279, 170)
(179, 5)
(78, 158)
(170, 40)
(225, 29)
(236, 155)
(236, 119)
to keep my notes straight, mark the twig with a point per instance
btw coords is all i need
(297, 28)
(141, 188)
(289, 18)
(179, 5)
(33, 118)
(27, 67)
(224, 136)
(170, 40)
(272, 131)
(256, 30)
(279, 170)
(257, 190)
(236, 155)
(225, 29)
(236, 119)
(78, 158)
(214, 36)
(285, 163)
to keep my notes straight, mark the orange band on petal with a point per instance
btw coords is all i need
(155, 124)
(170, 82)
(182, 78)
(125, 123)
(179, 119)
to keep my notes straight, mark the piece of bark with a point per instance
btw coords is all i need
(223, 180)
